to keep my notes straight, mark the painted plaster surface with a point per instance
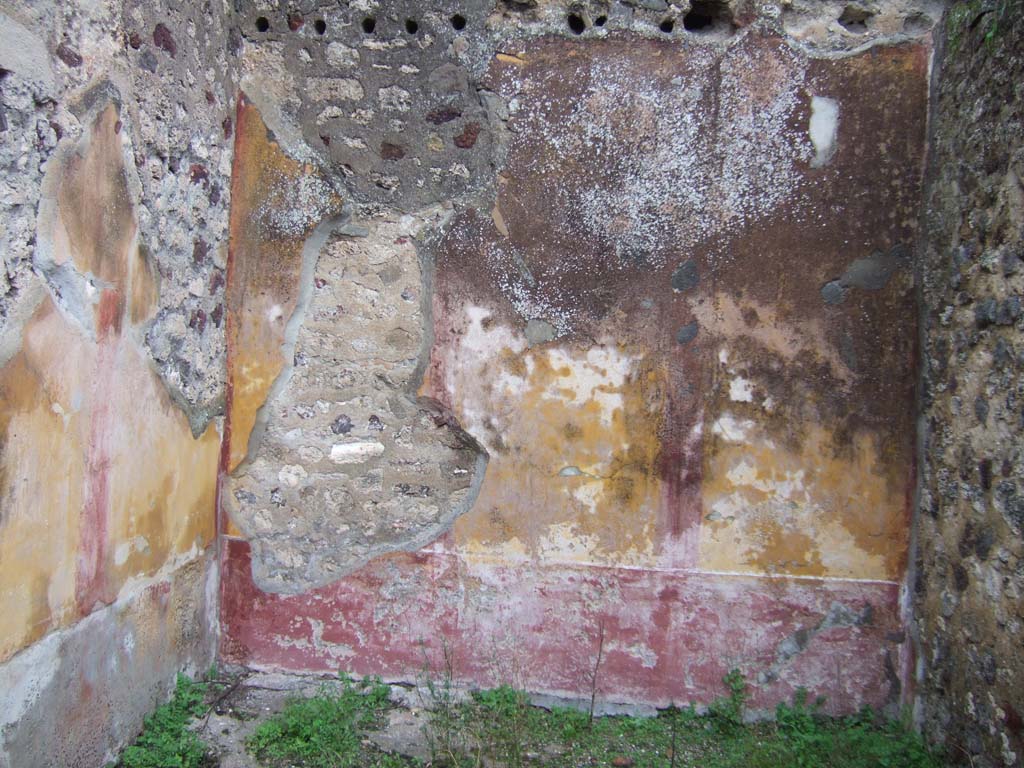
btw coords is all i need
(113, 203)
(102, 480)
(667, 636)
(75, 697)
(278, 205)
(700, 401)
(681, 327)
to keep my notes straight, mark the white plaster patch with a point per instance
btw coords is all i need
(648, 659)
(125, 548)
(588, 494)
(786, 485)
(490, 340)
(740, 390)
(744, 473)
(121, 553)
(480, 553)
(732, 429)
(598, 377)
(481, 344)
(563, 542)
(355, 453)
(823, 129)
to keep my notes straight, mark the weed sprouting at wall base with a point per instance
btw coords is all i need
(165, 741)
(500, 728)
(327, 730)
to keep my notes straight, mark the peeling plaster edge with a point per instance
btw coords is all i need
(810, 51)
(310, 257)
(287, 134)
(136, 585)
(412, 546)
(882, 41)
(912, 660)
(434, 221)
(537, 30)
(212, 594)
(74, 292)
(12, 339)
(71, 291)
(426, 255)
(129, 592)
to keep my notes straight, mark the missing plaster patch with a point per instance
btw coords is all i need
(346, 463)
(823, 129)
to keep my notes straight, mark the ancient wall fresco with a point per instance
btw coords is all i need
(679, 320)
(102, 479)
(108, 476)
(543, 333)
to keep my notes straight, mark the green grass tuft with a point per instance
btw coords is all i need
(165, 741)
(327, 730)
(500, 728)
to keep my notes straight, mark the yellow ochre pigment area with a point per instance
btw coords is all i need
(771, 509)
(87, 423)
(790, 484)
(43, 468)
(276, 203)
(572, 432)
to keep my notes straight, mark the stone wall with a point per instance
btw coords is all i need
(970, 571)
(115, 152)
(555, 328)
(569, 345)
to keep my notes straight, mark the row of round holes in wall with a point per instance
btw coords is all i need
(369, 24)
(263, 25)
(458, 22)
(692, 22)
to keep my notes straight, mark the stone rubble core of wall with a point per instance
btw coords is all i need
(495, 331)
(969, 580)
